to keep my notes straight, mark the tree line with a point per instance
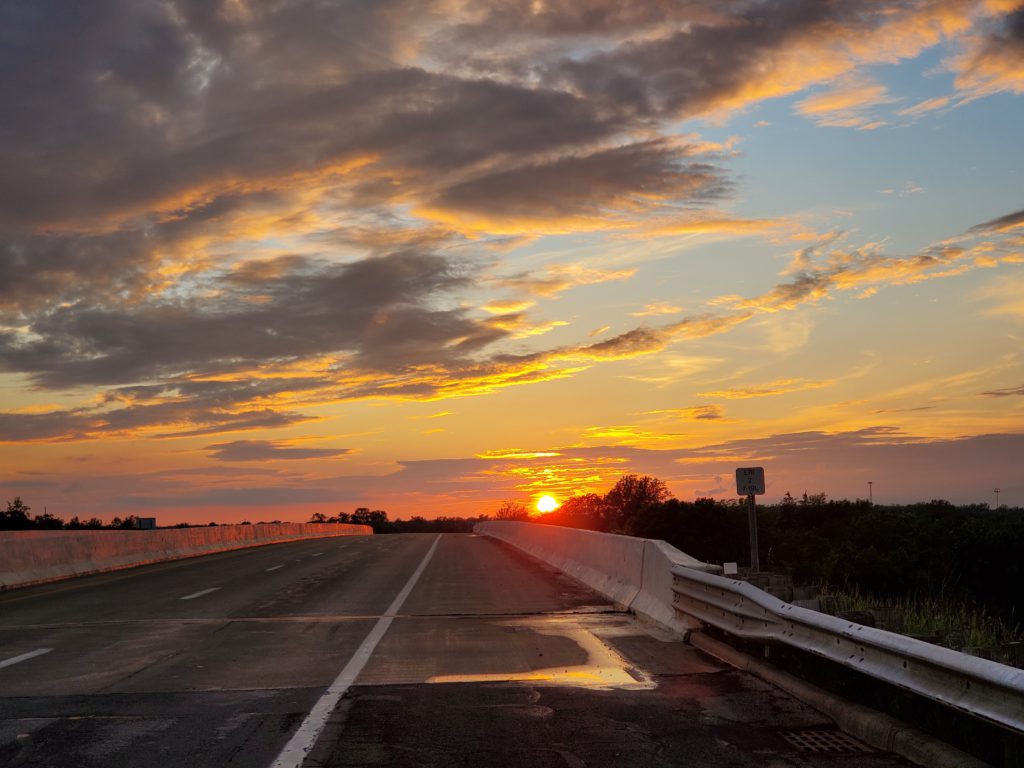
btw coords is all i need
(379, 521)
(17, 518)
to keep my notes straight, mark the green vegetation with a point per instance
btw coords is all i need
(951, 574)
(951, 623)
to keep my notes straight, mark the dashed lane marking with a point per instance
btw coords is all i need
(200, 593)
(23, 657)
(275, 567)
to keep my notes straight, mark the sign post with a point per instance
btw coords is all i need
(750, 481)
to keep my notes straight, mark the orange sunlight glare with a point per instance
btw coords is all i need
(547, 504)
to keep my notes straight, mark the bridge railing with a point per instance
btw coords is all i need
(979, 687)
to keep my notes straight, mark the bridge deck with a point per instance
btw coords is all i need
(491, 660)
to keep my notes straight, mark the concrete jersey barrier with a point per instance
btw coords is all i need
(35, 557)
(636, 573)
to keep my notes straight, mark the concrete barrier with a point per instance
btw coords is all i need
(35, 557)
(635, 573)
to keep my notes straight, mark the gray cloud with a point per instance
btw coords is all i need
(200, 145)
(587, 184)
(186, 418)
(1002, 223)
(269, 450)
(1008, 392)
(497, 20)
(55, 425)
(700, 65)
(37, 270)
(377, 309)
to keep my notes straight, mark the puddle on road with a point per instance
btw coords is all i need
(604, 669)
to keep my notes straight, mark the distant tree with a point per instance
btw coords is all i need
(512, 510)
(360, 514)
(16, 517)
(630, 497)
(814, 500)
(376, 519)
(47, 522)
(318, 517)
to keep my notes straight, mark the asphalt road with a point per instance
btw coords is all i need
(412, 650)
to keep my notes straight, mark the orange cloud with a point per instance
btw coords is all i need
(991, 64)
(849, 104)
(518, 454)
(729, 226)
(556, 278)
(818, 271)
(923, 107)
(505, 306)
(778, 387)
(694, 413)
(655, 308)
(627, 434)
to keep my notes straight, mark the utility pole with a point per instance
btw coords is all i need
(997, 498)
(750, 481)
(755, 561)
(871, 494)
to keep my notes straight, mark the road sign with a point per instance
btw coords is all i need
(750, 480)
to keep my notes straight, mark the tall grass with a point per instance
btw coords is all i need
(949, 623)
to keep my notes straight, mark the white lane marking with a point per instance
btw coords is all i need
(295, 751)
(316, 554)
(275, 567)
(23, 657)
(200, 593)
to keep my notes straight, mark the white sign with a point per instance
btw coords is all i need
(750, 480)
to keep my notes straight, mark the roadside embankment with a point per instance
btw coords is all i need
(34, 557)
(636, 573)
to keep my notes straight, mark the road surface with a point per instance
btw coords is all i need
(403, 650)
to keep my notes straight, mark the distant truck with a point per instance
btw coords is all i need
(145, 523)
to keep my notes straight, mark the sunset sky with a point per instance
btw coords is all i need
(265, 259)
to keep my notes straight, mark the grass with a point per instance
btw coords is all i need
(949, 623)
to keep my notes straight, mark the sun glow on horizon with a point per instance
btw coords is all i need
(547, 504)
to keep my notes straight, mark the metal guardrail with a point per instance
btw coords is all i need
(982, 688)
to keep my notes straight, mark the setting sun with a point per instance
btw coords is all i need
(547, 504)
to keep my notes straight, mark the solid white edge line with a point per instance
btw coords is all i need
(200, 593)
(23, 657)
(275, 567)
(295, 751)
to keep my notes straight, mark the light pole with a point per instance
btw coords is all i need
(997, 498)
(871, 495)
